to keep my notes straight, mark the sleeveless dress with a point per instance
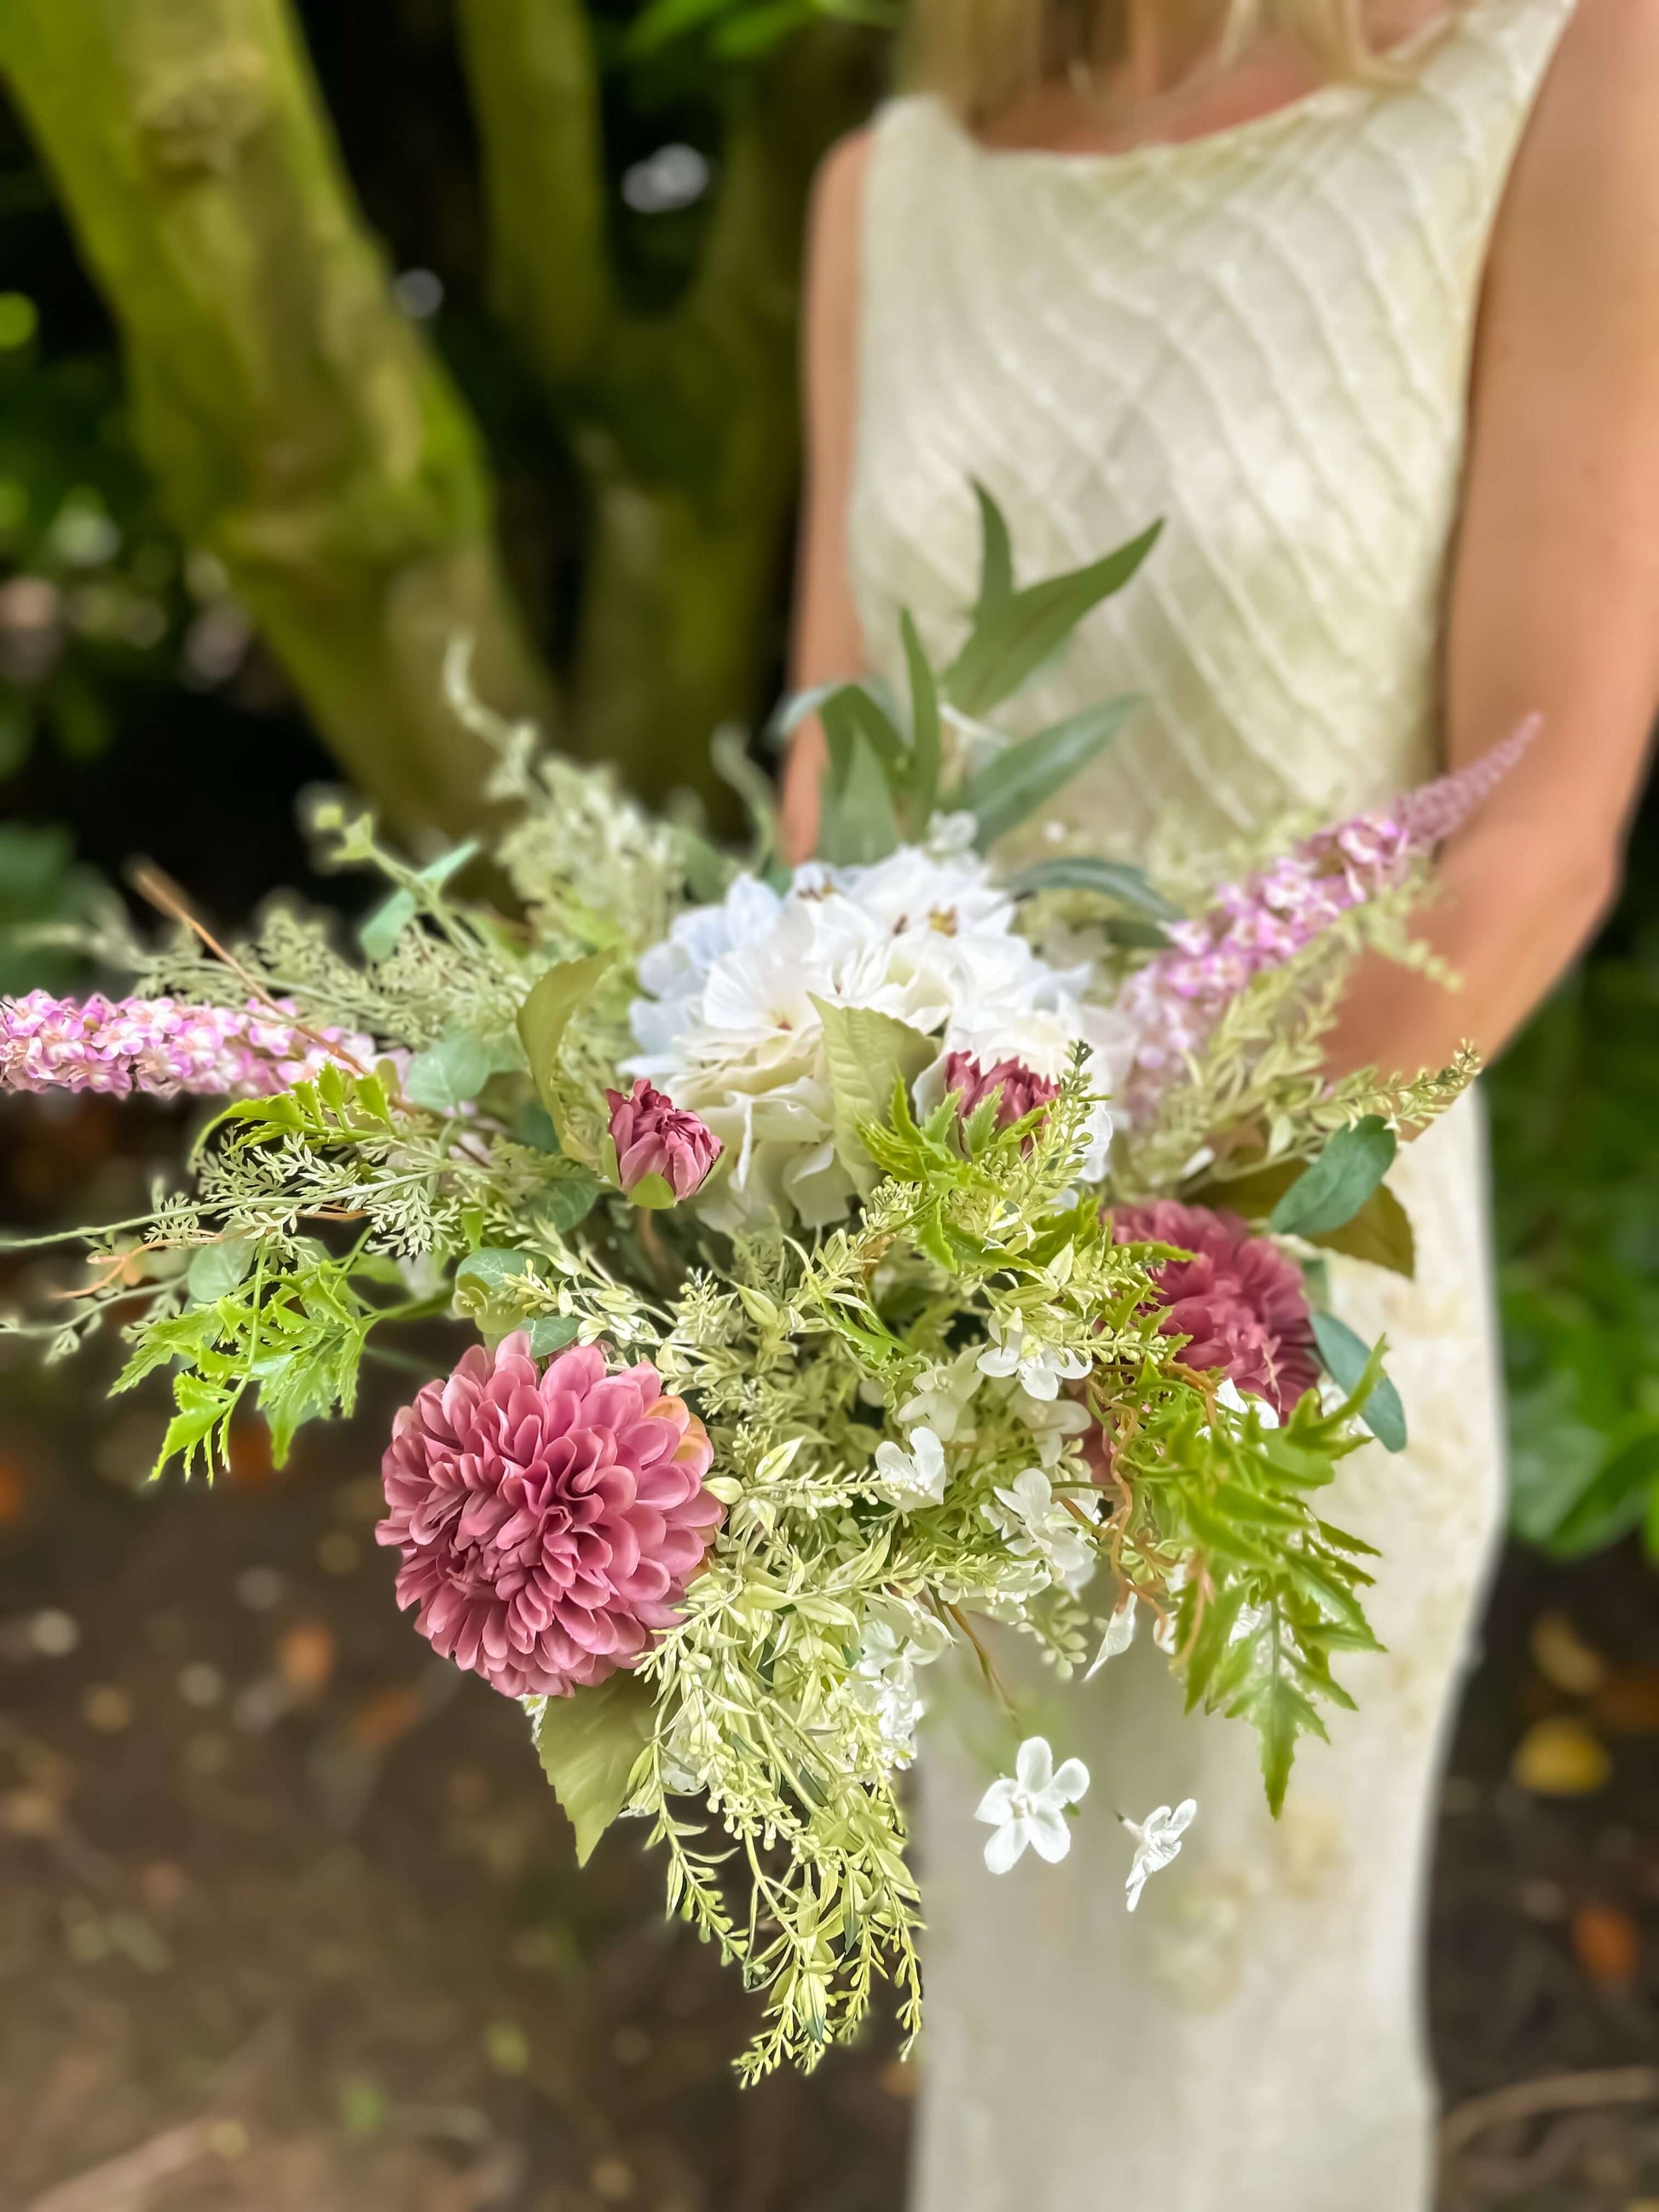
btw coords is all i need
(1263, 337)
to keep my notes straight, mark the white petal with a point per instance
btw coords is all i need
(1038, 1377)
(1001, 1359)
(1182, 1818)
(1051, 1834)
(1034, 1769)
(1135, 1885)
(996, 1803)
(1119, 1635)
(1071, 1782)
(1006, 1844)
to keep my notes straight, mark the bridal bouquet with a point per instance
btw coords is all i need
(856, 1255)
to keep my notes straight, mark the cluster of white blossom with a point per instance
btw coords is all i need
(729, 1028)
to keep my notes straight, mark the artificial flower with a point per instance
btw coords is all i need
(1157, 1843)
(914, 1478)
(1028, 1807)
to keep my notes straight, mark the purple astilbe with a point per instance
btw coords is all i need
(1021, 1091)
(161, 1048)
(653, 1137)
(1176, 1000)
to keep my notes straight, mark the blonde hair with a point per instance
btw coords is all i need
(979, 55)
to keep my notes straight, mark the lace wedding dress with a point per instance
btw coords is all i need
(1264, 337)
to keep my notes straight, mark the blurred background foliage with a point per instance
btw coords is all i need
(519, 358)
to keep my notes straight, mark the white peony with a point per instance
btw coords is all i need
(727, 1026)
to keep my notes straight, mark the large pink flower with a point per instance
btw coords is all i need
(549, 1522)
(1239, 1299)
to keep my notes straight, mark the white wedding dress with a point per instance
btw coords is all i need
(1264, 337)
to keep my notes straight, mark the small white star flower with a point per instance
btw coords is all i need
(1234, 1399)
(1038, 1526)
(1051, 1421)
(1041, 1370)
(1028, 1807)
(1157, 1843)
(1119, 1635)
(942, 1396)
(914, 1478)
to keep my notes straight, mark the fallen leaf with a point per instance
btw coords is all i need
(1560, 1758)
(1608, 1945)
(1564, 1659)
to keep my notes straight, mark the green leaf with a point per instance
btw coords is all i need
(589, 1744)
(481, 1274)
(565, 1204)
(1617, 1497)
(1013, 637)
(447, 1075)
(438, 873)
(728, 751)
(216, 1269)
(857, 823)
(666, 19)
(850, 713)
(1339, 1182)
(924, 729)
(1013, 785)
(869, 1055)
(1347, 1356)
(545, 1015)
(1381, 1232)
(1114, 879)
(996, 560)
(377, 932)
(203, 1407)
(550, 1333)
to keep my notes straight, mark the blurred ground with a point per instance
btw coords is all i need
(287, 1919)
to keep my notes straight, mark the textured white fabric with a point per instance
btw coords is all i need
(1264, 337)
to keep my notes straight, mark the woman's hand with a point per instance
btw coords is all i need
(1555, 602)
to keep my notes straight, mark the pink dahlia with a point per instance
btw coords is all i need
(653, 1137)
(1238, 1299)
(1021, 1090)
(549, 1521)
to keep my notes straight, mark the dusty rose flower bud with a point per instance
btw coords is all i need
(1238, 1299)
(653, 1138)
(549, 1519)
(1021, 1090)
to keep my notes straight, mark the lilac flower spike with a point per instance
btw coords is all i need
(1176, 999)
(159, 1046)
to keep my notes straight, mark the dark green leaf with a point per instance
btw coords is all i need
(1114, 879)
(1339, 1182)
(1013, 785)
(1346, 1356)
(996, 560)
(1017, 635)
(545, 1014)
(924, 729)
(589, 1744)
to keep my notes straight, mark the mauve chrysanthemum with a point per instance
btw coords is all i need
(549, 1521)
(653, 1137)
(1239, 1299)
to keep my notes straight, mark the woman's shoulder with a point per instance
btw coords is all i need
(1590, 154)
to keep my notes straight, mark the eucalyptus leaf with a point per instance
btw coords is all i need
(1339, 1182)
(378, 932)
(448, 1074)
(1381, 1232)
(216, 1269)
(1347, 1355)
(869, 1054)
(545, 1015)
(1017, 635)
(565, 1204)
(1084, 872)
(551, 1333)
(438, 873)
(479, 1277)
(1016, 783)
(589, 1744)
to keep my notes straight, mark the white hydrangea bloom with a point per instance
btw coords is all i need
(914, 1478)
(1157, 1843)
(727, 1026)
(1028, 1807)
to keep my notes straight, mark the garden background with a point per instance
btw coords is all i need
(326, 332)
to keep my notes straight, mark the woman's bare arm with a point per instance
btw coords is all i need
(827, 641)
(1555, 589)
